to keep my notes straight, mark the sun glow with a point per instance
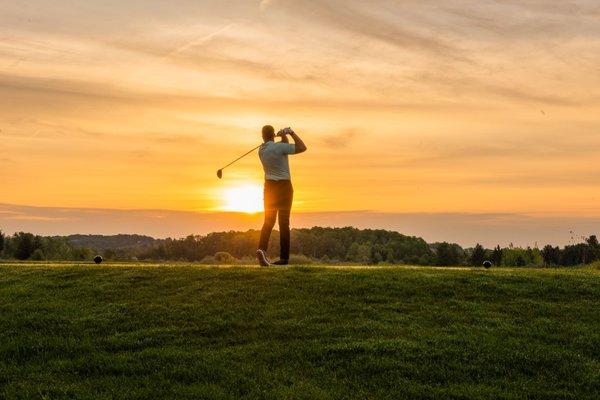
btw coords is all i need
(246, 198)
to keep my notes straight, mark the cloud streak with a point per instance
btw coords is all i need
(356, 18)
(200, 41)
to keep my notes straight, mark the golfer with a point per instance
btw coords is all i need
(278, 191)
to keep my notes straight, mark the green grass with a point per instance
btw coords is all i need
(140, 331)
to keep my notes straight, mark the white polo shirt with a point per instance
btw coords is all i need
(274, 158)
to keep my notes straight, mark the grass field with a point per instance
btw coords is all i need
(141, 331)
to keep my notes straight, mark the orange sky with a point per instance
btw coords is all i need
(424, 106)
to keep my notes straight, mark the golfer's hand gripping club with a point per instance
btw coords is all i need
(284, 131)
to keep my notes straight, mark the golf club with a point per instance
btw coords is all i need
(220, 171)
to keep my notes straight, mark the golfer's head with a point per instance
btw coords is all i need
(268, 133)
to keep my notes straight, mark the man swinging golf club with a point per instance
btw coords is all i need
(278, 192)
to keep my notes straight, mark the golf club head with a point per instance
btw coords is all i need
(220, 173)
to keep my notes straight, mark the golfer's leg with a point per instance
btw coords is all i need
(267, 227)
(284, 234)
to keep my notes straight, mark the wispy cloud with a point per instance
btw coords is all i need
(358, 18)
(200, 41)
(340, 140)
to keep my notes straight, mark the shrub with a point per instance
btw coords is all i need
(223, 257)
(208, 260)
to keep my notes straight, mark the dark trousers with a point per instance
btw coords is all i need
(278, 205)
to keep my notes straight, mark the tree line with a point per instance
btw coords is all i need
(323, 245)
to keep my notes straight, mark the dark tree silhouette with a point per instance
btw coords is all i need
(478, 255)
(448, 254)
(497, 255)
(551, 255)
(24, 244)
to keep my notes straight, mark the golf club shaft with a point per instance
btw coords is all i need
(242, 156)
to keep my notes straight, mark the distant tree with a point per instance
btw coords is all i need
(520, 260)
(359, 253)
(478, 255)
(519, 257)
(82, 253)
(534, 257)
(1, 242)
(592, 242)
(497, 255)
(571, 255)
(551, 255)
(577, 254)
(376, 256)
(110, 254)
(24, 244)
(448, 254)
(514, 257)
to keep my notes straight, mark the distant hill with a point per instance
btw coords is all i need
(114, 242)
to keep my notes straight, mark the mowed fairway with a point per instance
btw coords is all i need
(142, 331)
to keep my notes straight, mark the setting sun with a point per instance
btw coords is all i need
(246, 198)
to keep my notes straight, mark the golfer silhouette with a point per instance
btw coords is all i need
(278, 191)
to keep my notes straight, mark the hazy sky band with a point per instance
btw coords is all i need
(467, 229)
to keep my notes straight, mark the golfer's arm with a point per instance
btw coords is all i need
(284, 139)
(299, 144)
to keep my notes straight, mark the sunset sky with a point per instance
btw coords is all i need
(407, 107)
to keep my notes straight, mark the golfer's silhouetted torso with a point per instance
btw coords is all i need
(278, 191)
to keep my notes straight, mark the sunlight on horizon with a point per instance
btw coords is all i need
(246, 198)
